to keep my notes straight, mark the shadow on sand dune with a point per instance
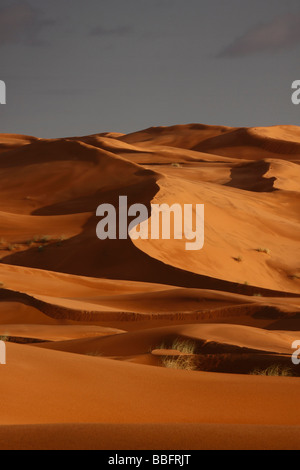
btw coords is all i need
(249, 177)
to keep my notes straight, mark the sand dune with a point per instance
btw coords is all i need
(119, 392)
(252, 143)
(89, 323)
(12, 141)
(142, 341)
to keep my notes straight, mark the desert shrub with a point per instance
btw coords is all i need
(181, 345)
(184, 346)
(186, 360)
(263, 250)
(45, 239)
(276, 370)
(180, 362)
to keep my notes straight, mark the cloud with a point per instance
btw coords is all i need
(118, 31)
(281, 33)
(20, 23)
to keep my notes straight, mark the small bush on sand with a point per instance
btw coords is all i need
(45, 239)
(180, 362)
(275, 370)
(181, 345)
(41, 239)
(186, 360)
(263, 250)
(184, 346)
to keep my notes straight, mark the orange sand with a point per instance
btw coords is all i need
(83, 316)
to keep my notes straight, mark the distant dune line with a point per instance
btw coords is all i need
(64, 313)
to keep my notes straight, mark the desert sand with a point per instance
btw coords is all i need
(95, 329)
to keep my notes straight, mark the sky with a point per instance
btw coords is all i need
(78, 67)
